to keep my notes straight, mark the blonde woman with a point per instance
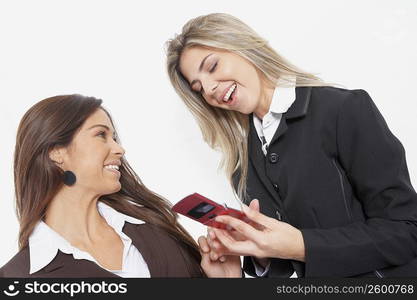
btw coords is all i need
(334, 194)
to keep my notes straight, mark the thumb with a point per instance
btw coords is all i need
(254, 204)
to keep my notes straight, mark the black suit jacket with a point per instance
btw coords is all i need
(165, 257)
(335, 171)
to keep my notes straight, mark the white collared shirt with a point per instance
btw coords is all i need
(44, 244)
(282, 100)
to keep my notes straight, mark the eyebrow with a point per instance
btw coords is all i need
(101, 125)
(200, 68)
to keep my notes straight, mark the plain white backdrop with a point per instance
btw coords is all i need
(114, 50)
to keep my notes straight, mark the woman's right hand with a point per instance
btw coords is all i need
(216, 262)
(217, 250)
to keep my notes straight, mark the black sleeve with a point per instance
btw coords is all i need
(374, 161)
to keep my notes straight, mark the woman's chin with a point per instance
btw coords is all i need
(112, 188)
(245, 110)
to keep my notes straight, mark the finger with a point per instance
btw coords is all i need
(217, 247)
(234, 247)
(254, 204)
(229, 234)
(222, 259)
(237, 235)
(202, 242)
(215, 244)
(214, 248)
(257, 216)
(209, 230)
(213, 255)
(205, 260)
(248, 231)
(225, 238)
(211, 235)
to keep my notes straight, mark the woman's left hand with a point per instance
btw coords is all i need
(229, 266)
(272, 238)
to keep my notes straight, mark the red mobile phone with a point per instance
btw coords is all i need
(204, 210)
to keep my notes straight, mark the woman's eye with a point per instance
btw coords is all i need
(213, 68)
(103, 134)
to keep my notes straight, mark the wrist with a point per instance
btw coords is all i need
(298, 251)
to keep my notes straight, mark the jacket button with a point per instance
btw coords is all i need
(273, 158)
(276, 187)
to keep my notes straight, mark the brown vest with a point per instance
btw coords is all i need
(165, 256)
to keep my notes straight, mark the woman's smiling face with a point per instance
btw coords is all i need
(93, 155)
(224, 79)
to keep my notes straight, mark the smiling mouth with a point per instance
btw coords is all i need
(230, 93)
(113, 168)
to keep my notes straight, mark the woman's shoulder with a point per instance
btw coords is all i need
(18, 265)
(166, 254)
(335, 94)
(331, 100)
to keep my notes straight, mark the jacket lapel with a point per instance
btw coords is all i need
(65, 265)
(298, 109)
(257, 157)
(149, 250)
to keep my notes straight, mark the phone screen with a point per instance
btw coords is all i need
(200, 210)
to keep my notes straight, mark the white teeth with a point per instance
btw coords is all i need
(229, 92)
(115, 167)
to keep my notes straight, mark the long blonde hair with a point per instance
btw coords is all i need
(226, 130)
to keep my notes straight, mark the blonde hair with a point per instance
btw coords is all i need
(226, 130)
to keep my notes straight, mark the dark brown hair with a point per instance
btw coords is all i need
(54, 122)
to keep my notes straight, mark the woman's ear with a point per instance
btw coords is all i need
(56, 154)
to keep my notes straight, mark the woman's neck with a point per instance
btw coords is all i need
(264, 102)
(74, 215)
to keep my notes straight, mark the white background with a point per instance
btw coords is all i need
(114, 50)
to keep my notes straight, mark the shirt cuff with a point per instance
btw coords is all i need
(259, 270)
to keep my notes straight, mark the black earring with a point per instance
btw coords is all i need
(69, 178)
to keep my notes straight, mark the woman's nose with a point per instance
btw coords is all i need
(118, 149)
(210, 87)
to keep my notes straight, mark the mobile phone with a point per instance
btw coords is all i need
(204, 210)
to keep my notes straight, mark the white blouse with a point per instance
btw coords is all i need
(44, 244)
